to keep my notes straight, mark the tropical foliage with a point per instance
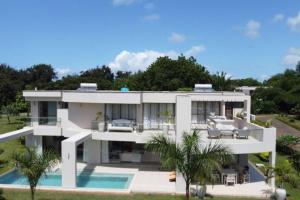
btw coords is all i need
(33, 165)
(191, 158)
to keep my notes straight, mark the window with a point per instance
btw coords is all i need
(155, 115)
(202, 109)
(47, 113)
(120, 111)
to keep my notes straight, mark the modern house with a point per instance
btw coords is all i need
(111, 127)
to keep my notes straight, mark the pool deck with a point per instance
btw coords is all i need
(146, 180)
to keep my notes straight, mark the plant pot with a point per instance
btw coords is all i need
(201, 191)
(165, 129)
(101, 126)
(280, 194)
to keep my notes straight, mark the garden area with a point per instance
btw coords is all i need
(13, 194)
(7, 148)
(291, 120)
(287, 165)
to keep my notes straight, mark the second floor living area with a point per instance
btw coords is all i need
(130, 111)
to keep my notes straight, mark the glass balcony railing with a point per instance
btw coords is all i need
(43, 121)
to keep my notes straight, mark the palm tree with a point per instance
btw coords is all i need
(221, 81)
(33, 165)
(191, 158)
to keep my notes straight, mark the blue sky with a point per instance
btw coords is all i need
(243, 38)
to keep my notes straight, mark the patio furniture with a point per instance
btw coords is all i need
(226, 172)
(246, 178)
(130, 157)
(243, 133)
(226, 130)
(230, 179)
(217, 177)
(214, 133)
(120, 125)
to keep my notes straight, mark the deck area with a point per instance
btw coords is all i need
(151, 180)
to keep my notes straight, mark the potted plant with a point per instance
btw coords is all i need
(100, 120)
(168, 119)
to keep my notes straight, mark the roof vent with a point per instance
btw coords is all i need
(87, 87)
(203, 88)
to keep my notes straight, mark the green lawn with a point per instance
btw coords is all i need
(10, 146)
(13, 194)
(289, 120)
(293, 193)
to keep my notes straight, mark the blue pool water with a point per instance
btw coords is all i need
(84, 179)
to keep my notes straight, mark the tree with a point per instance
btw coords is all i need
(169, 75)
(33, 165)
(9, 110)
(221, 82)
(21, 104)
(40, 76)
(190, 158)
(286, 174)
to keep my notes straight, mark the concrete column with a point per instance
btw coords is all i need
(92, 151)
(35, 141)
(34, 109)
(104, 152)
(139, 114)
(272, 161)
(222, 108)
(247, 108)
(183, 124)
(68, 156)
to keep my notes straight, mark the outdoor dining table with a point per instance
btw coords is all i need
(225, 172)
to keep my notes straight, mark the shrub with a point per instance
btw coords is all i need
(268, 124)
(286, 143)
(264, 156)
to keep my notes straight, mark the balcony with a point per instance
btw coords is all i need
(47, 126)
(239, 135)
(131, 132)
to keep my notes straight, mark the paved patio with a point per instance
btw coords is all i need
(155, 181)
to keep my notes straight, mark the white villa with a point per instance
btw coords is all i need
(108, 129)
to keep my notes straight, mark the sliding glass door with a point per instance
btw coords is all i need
(202, 109)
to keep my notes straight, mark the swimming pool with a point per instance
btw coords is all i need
(84, 180)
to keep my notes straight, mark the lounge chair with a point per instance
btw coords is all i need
(214, 133)
(243, 133)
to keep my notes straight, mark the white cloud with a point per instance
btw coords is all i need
(149, 6)
(134, 61)
(252, 29)
(278, 18)
(122, 2)
(62, 72)
(292, 57)
(195, 50)
(264, 77)
(294, 22)
(152, 17)
(177, 38)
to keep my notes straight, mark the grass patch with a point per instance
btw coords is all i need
(293, 193)
(289, 120)
(13, 194)
(10, 146)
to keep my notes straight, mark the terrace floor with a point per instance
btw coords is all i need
(151, 180)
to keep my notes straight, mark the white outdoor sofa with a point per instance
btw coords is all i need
(120, 125)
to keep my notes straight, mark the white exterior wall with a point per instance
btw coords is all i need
(78, 117)
(103, 97)
(183, 124)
